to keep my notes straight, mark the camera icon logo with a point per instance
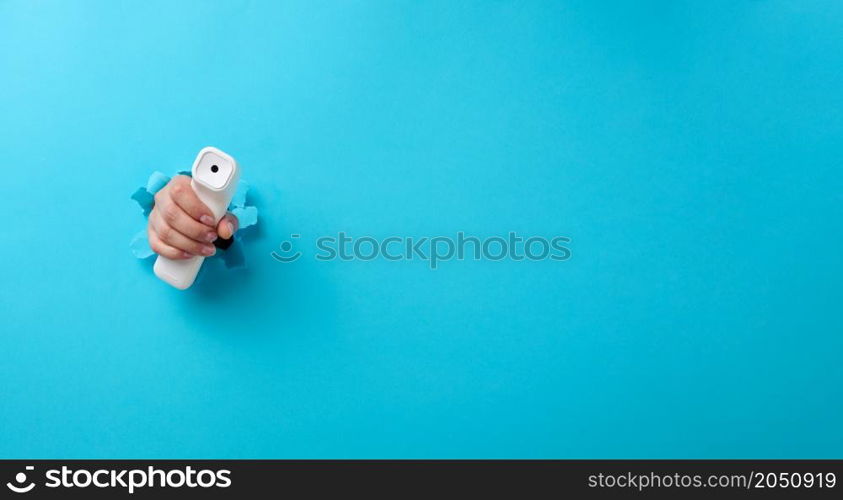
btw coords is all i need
(20, 478)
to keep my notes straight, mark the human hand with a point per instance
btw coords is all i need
(181, 226)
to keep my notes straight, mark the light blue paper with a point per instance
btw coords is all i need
(156, 182)
(246, 216)
(140, 245)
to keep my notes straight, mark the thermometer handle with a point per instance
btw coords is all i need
(182, 273)
(215, 177)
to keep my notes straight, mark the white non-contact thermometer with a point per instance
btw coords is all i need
(215, 177)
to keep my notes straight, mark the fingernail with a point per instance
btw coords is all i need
(186, 255)
(211, 236)
(208, 251)
(207, 220)
(231, 228)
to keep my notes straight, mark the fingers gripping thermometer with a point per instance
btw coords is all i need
(215, 177)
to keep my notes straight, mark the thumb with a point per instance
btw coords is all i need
(228, 226)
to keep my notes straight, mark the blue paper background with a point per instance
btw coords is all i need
(691, 150)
